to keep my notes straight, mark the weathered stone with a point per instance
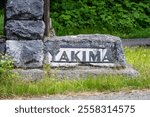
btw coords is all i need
(2, 46)
(24, 9)
(86, 71)
(30, 74)
(92, 50)
(26, 54)
(74, 73)
(24, 30)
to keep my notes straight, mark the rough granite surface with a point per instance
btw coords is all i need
(26, 54)
(85, 71)
(24, 30)
(30, 75)
(80, 72)
(25, 9)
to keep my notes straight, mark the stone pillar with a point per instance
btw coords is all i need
(25, 30)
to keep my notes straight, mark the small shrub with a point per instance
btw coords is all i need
(6, 65)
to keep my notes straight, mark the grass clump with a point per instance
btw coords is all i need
(139, 57)
(7, 77)
(6, 65)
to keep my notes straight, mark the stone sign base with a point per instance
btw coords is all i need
(82, 55)
(75, 73)
(85, 71)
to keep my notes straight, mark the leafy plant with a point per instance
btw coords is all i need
(6, 65)
(107, 16)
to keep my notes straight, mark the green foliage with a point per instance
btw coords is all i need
(107, 16)
(1, 22)
(6, 65)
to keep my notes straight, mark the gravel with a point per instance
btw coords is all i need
(122, 95)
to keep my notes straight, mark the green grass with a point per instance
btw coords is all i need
(138, 57)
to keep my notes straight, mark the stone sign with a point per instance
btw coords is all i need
(27, 29)
(82, 55)
(95, 50)
(28, 42)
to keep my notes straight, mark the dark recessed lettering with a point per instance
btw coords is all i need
(94, 57)
(64, 57)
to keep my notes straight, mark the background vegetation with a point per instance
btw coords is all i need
(1, 22)
(117, 17)
(125, 18)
